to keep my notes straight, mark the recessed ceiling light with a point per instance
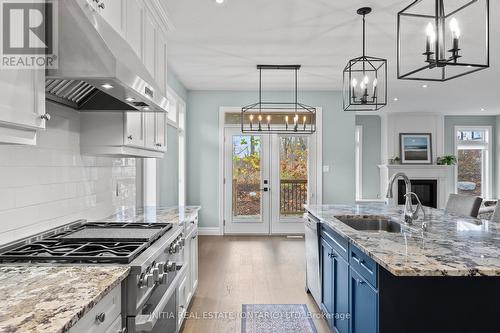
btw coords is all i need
(220, 2)
(146, 108)
(483, 109)
(106, 86)
(396, 99)
(130, 99)
(424, 86)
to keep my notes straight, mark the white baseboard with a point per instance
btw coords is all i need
(209, 231)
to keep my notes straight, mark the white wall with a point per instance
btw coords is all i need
(52, 183)
(394, 124)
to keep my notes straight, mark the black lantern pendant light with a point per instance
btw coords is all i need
(365, 79)
(431, 45)
(278, 117)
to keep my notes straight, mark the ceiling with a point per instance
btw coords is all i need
(216, 47)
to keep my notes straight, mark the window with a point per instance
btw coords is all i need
(474, 169)
(359, 162)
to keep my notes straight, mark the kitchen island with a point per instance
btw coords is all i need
(445, 278)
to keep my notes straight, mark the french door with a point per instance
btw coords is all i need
(267, 180)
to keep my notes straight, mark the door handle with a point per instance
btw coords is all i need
(265, 189)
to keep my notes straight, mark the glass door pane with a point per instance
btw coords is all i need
(246, 177)
(293, 173)
(470, 171)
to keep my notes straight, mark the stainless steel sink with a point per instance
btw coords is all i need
(372, 223)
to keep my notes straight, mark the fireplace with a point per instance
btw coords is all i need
(426, 189)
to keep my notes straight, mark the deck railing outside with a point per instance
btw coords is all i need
(293, 196)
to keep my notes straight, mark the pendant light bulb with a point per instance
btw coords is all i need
(366, 80)
(250, 117)
(455, 29)
(354, 82)
(260, 117)
(268, 118)
(431, 33)
(375, 82)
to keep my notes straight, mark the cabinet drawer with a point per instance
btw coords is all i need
(338, 243)
(364, 265)
(108, 309)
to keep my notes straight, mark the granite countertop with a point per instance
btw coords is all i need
(51, 299)
(155, 214)
(451, 246)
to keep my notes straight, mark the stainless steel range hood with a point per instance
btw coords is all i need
(98, 70)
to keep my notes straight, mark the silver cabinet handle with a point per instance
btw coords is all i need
(101, 5)
(100, 318)
(130, 137)
(45, 116)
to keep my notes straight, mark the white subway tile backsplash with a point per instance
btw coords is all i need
(50, 184)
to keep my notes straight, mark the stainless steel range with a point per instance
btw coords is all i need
(153, 251)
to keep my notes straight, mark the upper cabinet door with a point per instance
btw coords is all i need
(134, 129)
(161, 131)
(149, 41)
(150, 130)
(161, 61)
(22, 98)
(133, 25)
(112, 12)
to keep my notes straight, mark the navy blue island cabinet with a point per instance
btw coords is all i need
(359, 296)
(349, 301)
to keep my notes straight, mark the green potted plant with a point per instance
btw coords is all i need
(447, 160)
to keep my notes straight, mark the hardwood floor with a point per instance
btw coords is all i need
(236, 270)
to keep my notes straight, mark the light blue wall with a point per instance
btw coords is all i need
(449, 138)
(372, 146)
(167, 171)
(203, 146)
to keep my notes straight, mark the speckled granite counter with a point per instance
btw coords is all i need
(452, 246)
(152, 214)
(52, 299)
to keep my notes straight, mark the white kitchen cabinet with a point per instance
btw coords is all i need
(193, 252)
(182, 294)
(149, 41)
(150, 130)
(22, 105)
(134, 12)
(161, 131)
(134, 129)
(161, 62)
(118, 134)
(104, 317)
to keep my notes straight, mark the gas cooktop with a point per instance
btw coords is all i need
(93, 242)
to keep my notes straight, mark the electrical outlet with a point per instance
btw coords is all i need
(326, 168)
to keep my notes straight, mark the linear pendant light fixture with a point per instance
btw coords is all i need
(278, 117)
(439, 40)
(365, 79)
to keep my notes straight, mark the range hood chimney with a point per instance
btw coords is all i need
(98, 70)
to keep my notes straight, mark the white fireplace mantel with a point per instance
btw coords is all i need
(443, 174)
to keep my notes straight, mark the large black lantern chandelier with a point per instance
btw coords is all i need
(439, 40)
(266, 117)
(365, 79)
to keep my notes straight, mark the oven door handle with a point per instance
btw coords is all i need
(146, 323)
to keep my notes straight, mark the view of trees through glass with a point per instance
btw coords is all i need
(293, 174)
(247, 178)
(246, 175)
